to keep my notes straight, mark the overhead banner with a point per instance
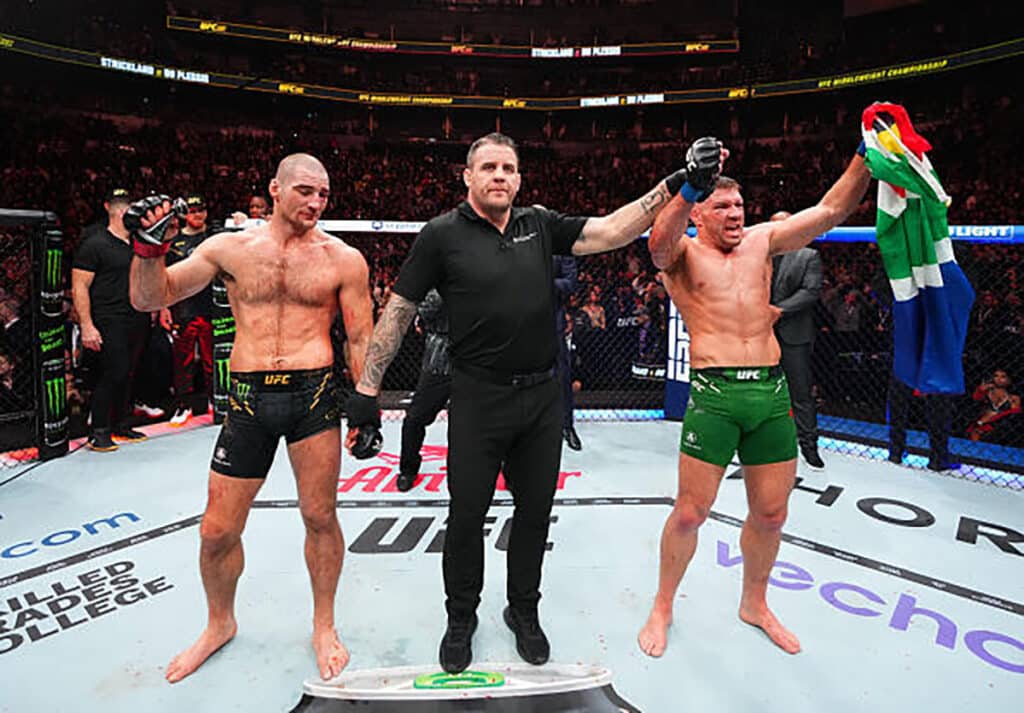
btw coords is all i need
(54, 53)
(892, 72)
(451, 49)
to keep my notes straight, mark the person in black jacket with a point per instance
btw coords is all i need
(796, 286)
(432, 390)
(491, 263)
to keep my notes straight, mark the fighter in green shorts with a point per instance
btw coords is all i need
(720, 281)
(739, 409)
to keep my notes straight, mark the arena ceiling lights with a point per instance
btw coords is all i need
(905, 70)
(451, 49)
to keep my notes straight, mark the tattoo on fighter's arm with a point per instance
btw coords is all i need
(387, 338)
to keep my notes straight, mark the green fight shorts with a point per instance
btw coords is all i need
(743, 409)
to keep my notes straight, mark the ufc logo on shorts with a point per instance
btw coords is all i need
(275, 379)
(748, 374)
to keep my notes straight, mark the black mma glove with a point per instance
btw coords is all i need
(364, 418)
(153, 241)
(696, 181)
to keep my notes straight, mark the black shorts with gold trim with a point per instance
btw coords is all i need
(265, 405)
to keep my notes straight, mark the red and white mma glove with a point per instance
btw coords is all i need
(151, 228)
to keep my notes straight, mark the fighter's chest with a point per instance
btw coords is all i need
(284, 278)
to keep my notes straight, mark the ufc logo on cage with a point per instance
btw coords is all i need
(678, 347)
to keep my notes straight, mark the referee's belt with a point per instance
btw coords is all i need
(506, 378)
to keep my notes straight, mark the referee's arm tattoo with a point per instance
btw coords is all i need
(387, 338)
(624, 225)
(655, 199)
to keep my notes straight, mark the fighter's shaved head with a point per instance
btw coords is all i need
(295, 162)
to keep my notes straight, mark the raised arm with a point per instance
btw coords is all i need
(842, 198)
(356, 310)
(154, 286)
(668, 240)
(703, 163)
(152, 224)
(623, 226)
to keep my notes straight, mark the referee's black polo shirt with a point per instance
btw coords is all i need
(498, 288)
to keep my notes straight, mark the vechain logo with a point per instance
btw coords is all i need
(60, 538)
(992, 647)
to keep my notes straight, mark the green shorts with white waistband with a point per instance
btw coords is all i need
(744, 409)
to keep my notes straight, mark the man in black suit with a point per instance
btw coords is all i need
(565, 285)
(796, 285)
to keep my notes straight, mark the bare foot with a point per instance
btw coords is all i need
(653, 638)
(763, 619)
(331, 654)
(212, 638)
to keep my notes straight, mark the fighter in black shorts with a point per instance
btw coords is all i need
(286, 280)
(263, 406)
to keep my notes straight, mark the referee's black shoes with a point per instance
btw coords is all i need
(531, 643)
(457, 645)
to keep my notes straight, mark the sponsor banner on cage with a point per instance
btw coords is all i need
(677, 371)
(223, 322)
(51, 387)
(55, 398)
(52, 279)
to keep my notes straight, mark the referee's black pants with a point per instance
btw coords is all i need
(490, 426)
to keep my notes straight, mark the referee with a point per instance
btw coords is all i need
(492, 264)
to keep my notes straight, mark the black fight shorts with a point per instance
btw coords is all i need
(265, 405)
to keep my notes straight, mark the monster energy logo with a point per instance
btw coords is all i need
(244, 390)
(223, 372)
(54, 258)
(56, 396)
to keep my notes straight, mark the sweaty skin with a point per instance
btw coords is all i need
(721, 284)
(723, 298)
(285, 280)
